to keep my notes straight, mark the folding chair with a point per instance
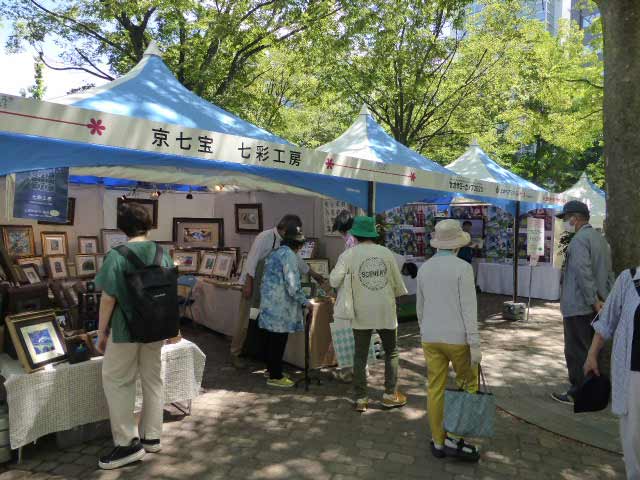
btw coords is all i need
(185, 294)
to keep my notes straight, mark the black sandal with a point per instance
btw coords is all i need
(463, 451)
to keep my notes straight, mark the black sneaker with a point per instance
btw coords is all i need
(437, 452)
(565, 398)
(461, 450)
(151, 446)
(121, 456)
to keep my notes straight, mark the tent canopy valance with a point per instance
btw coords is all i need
(475, 163)
(596, 199)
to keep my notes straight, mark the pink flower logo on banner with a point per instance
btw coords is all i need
(95, 126)
(329, 163)
(413, 176)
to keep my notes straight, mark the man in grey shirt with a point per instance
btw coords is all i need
(587, 279)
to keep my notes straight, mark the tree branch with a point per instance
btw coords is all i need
(86, 59)
(72, 68)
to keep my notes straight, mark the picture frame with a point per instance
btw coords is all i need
(99, 261)
(37, 338)
(319, 265)
(31, 272)
(248, 218)
(224, 265)
(86, 265)
(112, 237)
(207, 262)
(26, 298)
(309, 248)
(37, 261)
(54, 243)
(92, 343)
(240, 266)
(309, 289)
(88, 245)
(57, 267)
(198, 233)
(6, 265)
(149, 204)
(186, 261)
(71, 214)
(167, 247)
(19, 240)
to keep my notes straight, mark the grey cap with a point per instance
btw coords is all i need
(574, 206)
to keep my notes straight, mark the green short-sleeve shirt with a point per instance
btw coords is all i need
(110, 279)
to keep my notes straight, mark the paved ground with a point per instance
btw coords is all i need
(240, 429)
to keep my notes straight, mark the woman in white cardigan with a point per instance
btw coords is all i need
(447, 312)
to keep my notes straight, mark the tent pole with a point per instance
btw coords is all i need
(516, 248)
(371, 199)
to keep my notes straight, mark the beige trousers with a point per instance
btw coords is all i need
(630, 429)
(122, 364)
(240, 335)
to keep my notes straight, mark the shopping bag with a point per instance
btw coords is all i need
(470, 414)
(343, 307)
(345, 346)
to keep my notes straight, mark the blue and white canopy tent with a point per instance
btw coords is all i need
(585, 191)
(366, 139)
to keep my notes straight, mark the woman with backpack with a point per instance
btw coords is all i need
(124, 357)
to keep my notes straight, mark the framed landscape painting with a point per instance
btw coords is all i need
(19, 240)
(186, 261)
(54, 243)
(198, 232)
(248, 218)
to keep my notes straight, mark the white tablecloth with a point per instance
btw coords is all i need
(67, 396)
(498, 278)
(216, 306)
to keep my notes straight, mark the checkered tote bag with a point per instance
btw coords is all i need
(344, 345)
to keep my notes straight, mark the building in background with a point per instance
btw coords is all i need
(584, 18)
(548, 11)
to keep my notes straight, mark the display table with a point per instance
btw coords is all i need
(320, 351)
(498, 278)
(65, 396)
(216, 305)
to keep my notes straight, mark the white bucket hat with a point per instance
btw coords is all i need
(449, 235)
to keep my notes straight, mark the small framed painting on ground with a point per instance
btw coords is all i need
(248, 218)
(37, 338)
(198, 232)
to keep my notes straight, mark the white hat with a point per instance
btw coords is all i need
(449, 235)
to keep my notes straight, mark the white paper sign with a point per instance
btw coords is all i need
(535, 239)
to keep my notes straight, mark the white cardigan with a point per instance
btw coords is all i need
(446, 301)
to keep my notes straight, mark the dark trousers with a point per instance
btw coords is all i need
(362, 339)
(578, 334)
(276, 343)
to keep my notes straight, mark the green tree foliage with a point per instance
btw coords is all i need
(38, 89)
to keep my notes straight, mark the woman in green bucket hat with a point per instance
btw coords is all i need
(375, 281)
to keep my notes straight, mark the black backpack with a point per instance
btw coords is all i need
(153, 291)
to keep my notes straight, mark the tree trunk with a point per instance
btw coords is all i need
(621, 24)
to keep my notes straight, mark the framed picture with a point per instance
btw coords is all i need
(37, 338)
(92, 343)
(86, 265)
(309, 248)
(240, 265)
(318, 265)
(71, 213)
(57, 267)
(99, 261)
(248, 217)
(150, 205)
(31, 272)
(37, 261)
(207, 263)
(309, 289)
(198, 232)
(6, 265)
(224, 264)
(19, 240)
(112, 237)
(88, 245)
(54, 243)
(186, 261)
(167, 247)
(26, 298)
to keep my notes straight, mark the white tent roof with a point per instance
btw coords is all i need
(585, 191)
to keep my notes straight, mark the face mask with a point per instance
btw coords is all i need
(569, 227)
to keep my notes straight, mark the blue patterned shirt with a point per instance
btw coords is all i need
(616, 321)
(281, 295)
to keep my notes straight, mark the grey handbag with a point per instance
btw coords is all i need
(470, 414)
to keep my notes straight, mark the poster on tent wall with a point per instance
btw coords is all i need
(535, 239)
(42, 195)
(330, 210)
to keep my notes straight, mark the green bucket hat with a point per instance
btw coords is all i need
(364, 227)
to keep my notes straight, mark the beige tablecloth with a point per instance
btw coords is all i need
(67, 396)
(216, 305)
(320, 351)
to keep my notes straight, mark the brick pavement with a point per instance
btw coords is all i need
(241, 429)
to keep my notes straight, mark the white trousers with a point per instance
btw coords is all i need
(630, 429)
(122, 364)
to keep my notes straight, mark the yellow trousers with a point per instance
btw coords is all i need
(438, 356)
